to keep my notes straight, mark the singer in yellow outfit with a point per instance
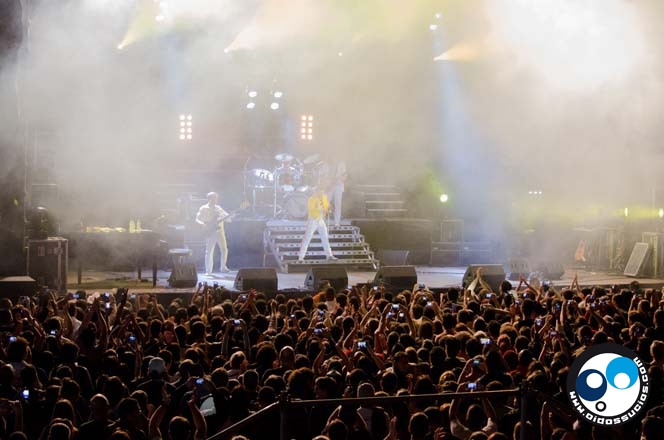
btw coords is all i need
(319, 205)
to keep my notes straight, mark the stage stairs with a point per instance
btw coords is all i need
(381, 201)
(282, 244)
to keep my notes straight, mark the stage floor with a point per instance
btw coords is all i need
(433, 277)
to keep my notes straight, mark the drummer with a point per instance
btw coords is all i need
(287, 174)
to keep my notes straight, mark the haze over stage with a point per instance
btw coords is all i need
(526, 115)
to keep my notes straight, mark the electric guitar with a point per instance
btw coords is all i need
(214, 226)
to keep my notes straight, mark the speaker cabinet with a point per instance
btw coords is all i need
(493, 274)
(47, 262)
(396, 277)
(15, 287)
(183, 275)
(263, 279)
(445, 254)
(336, 275)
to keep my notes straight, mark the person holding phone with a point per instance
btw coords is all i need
(212, 217)
(478, 418)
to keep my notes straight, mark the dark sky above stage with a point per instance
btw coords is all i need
(559, 96)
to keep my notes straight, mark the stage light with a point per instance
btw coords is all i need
(438, 15)
(251, 105)
(307, 127)
(186, 123)
(433, 27)
(444, 198)
(252, 93)
(462, 52)
(340, 54)
(278, 94)
(661, 213)
(274, 106)
(120, 47)
(626, 212)
(304, 137)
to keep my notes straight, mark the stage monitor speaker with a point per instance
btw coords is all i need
(15, 287)
(263, 279)
(392, 257)
(396, 277)
(183, 275)
(493, 274)
(336, 275)
(637, 259)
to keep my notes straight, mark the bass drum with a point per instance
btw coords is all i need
(295, 205)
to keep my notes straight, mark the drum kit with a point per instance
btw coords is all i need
(290, 184)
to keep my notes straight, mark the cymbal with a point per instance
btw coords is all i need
(259, 172)
(314, 158)
(284, 157)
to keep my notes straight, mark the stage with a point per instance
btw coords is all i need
(433, 277)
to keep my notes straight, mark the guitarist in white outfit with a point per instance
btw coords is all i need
(213, 217)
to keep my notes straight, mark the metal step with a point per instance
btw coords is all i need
(374, 185)
(382, 194)
(336, 253)
(276, 229)
(282, 242)
(384, 201)
(395, 204)
(387, 210)
(320, 245)
(296, 237)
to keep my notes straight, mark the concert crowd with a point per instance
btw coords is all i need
(121, 366)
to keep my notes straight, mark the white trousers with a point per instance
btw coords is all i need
(312, 226)
(336, 196)
(218, 238)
